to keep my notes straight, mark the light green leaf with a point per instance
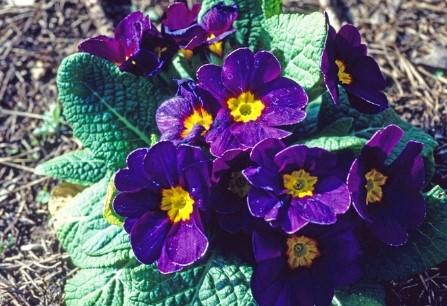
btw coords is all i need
(110, 111)
(82, 231)
(78, 167)
(298, 41)
(426, 248)
(336, 143)
(109, 213)
(364, 294)
(271, 7)
(248, 24)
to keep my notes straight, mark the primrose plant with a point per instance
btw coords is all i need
(235, 154)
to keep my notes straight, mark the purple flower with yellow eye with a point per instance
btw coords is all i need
(304, 269)
(294, 186)
(255, 100)
(137, 46)
(345, 62)
(188, 116)
(229, 194)
(161, 195)
(388, 196)
(209, 31)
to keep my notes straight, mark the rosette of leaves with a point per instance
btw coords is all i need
(113, 112)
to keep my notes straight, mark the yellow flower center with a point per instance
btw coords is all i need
(217, 47)
(238, 184)
(178, 203)
(198, 117)
(343, 76)
(374, 182)
(245, 108)
(301, 251)
(299, 184)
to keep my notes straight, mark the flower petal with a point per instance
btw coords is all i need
(266, 246)
(263, 178)
(264, 152)
(356, 185)
(388, 230)
(147, 236)
(382, 144)
(133, 177)
(161, 163)
(251, 133)
(135, 204)
(170, 116)
(210, 78)
(314, 211)
(260, 202)
(130, 31)
(219, 19)
(334, 193)
(105, 47)
(283, 92)
(165, 265)
(409, 167)
(266, 67)
(237, 70)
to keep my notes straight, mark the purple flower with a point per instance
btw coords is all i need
(229, 195)
(294, 186)
(345, 62)
(215, 25)
(187, 117)
(388, 196)
(304, 269)
(255, 100)
(161, 194)
(137, 46)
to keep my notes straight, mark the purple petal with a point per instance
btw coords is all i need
(197, 181)
(382, 143)
(105, 47)
(264, 152)
(135, 204)
(388, 230)
(170, 116)
(348, 43)
(161, 163)
(210, 78)
(147, 236)
(366, 74)
(328, 67)
(165, 265)
(409, 167)
(189, 155)
(133, 177)
(283, 92)
(266, 67)
(251, 133)
(179, 16)
(266, 246)
(129, 223)
(186, 243)
(260, 202)
(144, 62)
(367, 101)
(314, 211)
(268, 282)
(219, 19)
(333, 192)
(236, 160)
(356, 185)
(291, 220)
(263, 178)
(237, 70)
(220, 137)
(130, 31)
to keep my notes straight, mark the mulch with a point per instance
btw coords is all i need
(407, 37)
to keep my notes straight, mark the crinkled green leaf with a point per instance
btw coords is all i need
(78, 167)
(82, 231)
(427, 246)
(110, 111)
(271, 7)
(336, 143)
(361, 294)
(248, 24)
(364, 125)
(298, 41)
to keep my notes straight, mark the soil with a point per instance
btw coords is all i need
(408, 38)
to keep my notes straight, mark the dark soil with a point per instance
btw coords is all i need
(408, 38)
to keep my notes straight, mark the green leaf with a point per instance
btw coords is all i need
(426, 248)
(309, 125)
(340, 127)
(82, 231)
(298, 41)
(336, 143)
(364, 294)
(271, 7)
(247, 25)
(78, 167)
(110, 111)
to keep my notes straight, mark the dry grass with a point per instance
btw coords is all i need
(405, 36)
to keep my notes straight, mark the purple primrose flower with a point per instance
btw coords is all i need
(215, 25)
(345, 62)
(187, 117)
(388, 197)
(304, 269)
(161, 194)
(255, 100)
(294, 186)
(229, 195)
(137, 46)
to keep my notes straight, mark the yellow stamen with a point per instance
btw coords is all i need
(238, 184)
(245, 108)
(343, 76)
(299, 184)
(374, 182)
(198, 117)
(217, 47)
(178, 204)
(186, 53)
(301, 251)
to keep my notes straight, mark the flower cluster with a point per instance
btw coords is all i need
(225, 161)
